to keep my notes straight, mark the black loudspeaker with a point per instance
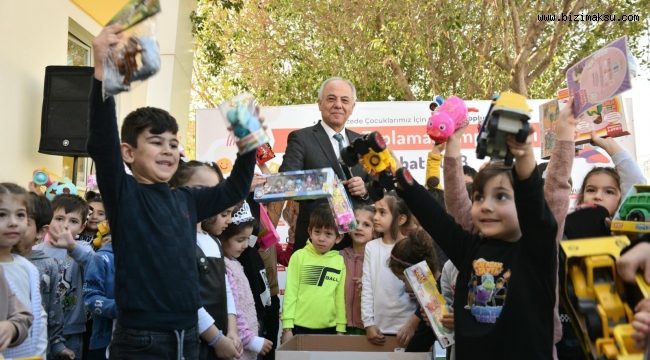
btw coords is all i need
(64, 119)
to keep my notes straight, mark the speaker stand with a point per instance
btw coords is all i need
(75, 164)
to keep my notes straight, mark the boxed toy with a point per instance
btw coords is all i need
(342, 208)
(608, 119)
(596, 300)
(348, 347)
(600, 76)
(296, 185)
(424, 286)
(633, 216)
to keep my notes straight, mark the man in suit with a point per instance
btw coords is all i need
(318, 147)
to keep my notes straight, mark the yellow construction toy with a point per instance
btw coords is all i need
(596, 299)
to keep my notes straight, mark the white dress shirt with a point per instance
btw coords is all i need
(335, 144)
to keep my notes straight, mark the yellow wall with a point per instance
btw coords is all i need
(100, 10)
(36, 36)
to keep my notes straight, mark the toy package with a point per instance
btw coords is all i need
(633, 216)
(137, 57)
(342, 208)
(241, 116)
(296, 185)
(608, 119)
(264, 153)
(601, 76)
(424, 286)
(267, 236)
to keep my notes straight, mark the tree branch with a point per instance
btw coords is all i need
(486, 56)
(514, 14)
(401, 80)
(460, 64)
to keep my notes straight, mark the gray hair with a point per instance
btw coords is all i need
(322, 87)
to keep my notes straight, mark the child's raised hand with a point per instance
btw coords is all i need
(635, 259)
(268, 345)
(108, 37)
(567, 123)
(453, 142)
(225, 349)
(61, 237)
(437, 149)
(608, 144)
(525, 158)
(7, 333)
(375, 336)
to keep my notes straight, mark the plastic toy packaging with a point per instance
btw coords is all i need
(267, 236)
(342, 208)
(241, 115)
(264, 154)
(137, 57)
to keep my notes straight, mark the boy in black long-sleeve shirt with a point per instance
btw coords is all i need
(153, 227)
(516, 251)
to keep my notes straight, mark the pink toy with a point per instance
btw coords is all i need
(446, 118)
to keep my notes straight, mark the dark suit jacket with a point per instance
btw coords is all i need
(311, 148)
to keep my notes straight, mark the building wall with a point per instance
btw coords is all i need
(36, 36)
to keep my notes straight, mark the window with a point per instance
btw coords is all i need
(78, 52)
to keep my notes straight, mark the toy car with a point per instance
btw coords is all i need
(508, 114)
(376, 159)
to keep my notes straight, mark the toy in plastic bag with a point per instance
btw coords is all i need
(264, 154)
(267, 236)
(137, 57)
(241, 115)
(342, 209)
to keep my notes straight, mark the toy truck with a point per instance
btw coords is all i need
(376, 159)
(633, 215)
(596, 299)
(508, 114)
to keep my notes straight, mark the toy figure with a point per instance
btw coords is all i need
(242, 122)
(290, 185)
(128, 65)
(446, 118)
(320, 181)
(299, 184)
(278, 186)
(308, 185)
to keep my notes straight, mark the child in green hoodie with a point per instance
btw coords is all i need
(314, 294)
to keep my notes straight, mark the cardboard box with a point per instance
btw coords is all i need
(424, 286)
(347, 347)
(635, 205)
(296, 185)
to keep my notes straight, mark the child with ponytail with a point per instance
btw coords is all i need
(386, 308)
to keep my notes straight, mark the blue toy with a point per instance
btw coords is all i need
(242, 122)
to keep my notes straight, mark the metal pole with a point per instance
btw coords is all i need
(75, 163)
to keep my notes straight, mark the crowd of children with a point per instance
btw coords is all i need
(178, 277)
